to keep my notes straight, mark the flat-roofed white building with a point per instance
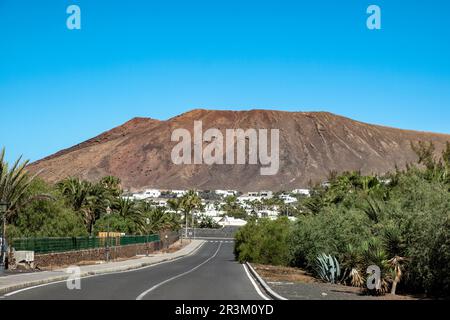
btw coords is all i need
(305, 192)
(230, 221)
(287, 199)
(267, 214)
(179, 193)
(210, 210)
(226, 193)
(152, 193)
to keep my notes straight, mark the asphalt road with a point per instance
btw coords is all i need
(211, 273)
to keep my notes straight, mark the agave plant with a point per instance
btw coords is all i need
(327, 268)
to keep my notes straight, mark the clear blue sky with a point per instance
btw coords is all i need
(161, 58)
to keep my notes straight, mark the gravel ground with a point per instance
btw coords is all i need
(296, 284)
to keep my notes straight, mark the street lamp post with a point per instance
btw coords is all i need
(108, 212)
(3, 209)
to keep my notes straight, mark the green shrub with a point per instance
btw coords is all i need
(264, 241)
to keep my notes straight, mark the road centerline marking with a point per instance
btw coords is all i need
(142, 295)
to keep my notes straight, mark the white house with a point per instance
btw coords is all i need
(211, 211)
(230, 221)
(152, 193)
(160, 202)
(305, 192)
(267, 214)
(146, 194)
(243, 199)
(288, 199)
(255, 196)
(179, 193)
(226, 193)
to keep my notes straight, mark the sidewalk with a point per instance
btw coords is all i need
(20, 281)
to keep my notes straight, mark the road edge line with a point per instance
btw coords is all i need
(263, 283)
(255, 285)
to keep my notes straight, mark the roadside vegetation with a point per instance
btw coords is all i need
(399, 222)
(75, 207)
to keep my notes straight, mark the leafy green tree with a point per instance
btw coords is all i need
(232, 208)
(264, 241)
(45, 218)
(132, 211)
(206, 222)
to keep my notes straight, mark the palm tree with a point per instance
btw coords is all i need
(89, 199)
(158, 219)
(112, 184)
(189, 203)
(395, 247)
(174, 205)
(14, 184)
(132, 211)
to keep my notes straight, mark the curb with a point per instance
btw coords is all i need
(24, 285)
(263, 284)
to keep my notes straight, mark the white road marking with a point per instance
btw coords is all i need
(105, 274)
(142, 295)
(258, 290)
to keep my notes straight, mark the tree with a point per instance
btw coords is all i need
(112, 184)
(189, 203)
(232, 208)
(43, 218)
(425, 153)
(14, 183)
(158, 220)
(131, 211)
(207, 222)
(90, 200)
(174, 205)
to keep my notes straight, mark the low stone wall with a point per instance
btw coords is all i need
(98, 254)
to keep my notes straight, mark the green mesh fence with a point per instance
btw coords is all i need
(51, 245)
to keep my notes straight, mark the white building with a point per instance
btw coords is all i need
(152, 193)
(179, 193)
(160, 203)
(147, 194)
(255, 196)
(305, 192)
(226, 193)
(211, 211)
(287, 199)
(244, 199)
(230, 221)
(272, 214)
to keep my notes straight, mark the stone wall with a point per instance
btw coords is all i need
(99, 254)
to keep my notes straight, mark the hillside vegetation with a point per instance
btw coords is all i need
(399, 222)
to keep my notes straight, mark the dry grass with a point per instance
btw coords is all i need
(284, 274)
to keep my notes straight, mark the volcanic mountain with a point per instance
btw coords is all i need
(311, 145)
